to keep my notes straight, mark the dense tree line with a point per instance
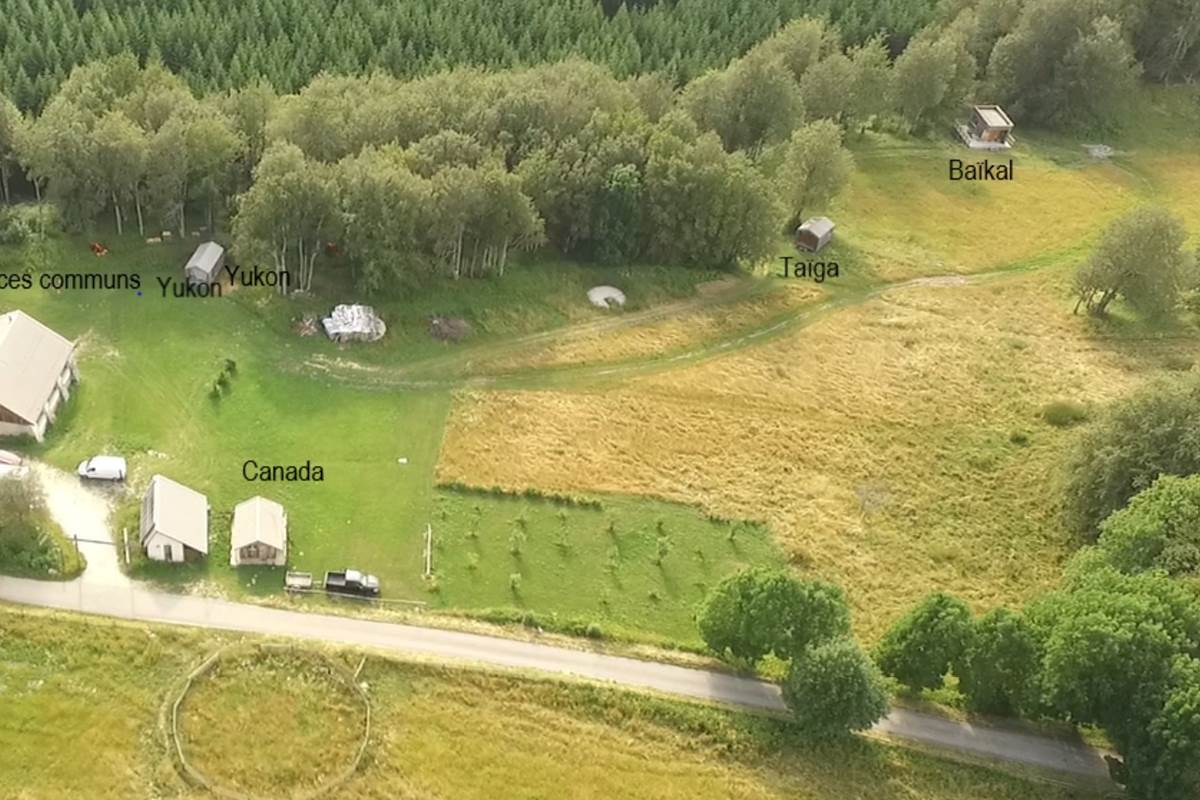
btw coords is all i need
(445, 174)
(451, 172)
(218, 45)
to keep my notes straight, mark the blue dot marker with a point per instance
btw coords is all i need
(139, 293)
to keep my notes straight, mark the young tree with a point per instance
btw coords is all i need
(933, 78)
(249, 110)
(387, 216)
(1139, 258)
(121, 152)
(926, 642)
(757, 612)
(800, 45)
(24, 547)
(214, 150)
(11, 124)
(871, 87)
(751, 104)
(292, 209)
(999, 669)
(706, 207)
(828, 88)
(811, 168)
(833, 689)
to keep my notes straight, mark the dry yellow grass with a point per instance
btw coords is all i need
(883, 444)
(1177, 184)
(908, 219)
(82, 698)
(661, 336)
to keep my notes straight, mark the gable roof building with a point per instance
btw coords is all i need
(174, 520)
(259, 533)
(205, 264)
(37, 368)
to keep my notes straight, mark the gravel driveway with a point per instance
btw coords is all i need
(83, 510)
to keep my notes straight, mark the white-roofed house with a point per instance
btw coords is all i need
(37, 368)
(259, 534)
(205, 264)
(174, 521)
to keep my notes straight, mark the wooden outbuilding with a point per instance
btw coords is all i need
(989, 128)
(814, 234)
(174, 521)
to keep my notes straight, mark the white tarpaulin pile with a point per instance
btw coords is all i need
(354, 324)
(606, 297)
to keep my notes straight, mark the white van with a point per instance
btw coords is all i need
(103, 468)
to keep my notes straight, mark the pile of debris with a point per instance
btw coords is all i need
(354, 323)
(449, 329)
(306, 325)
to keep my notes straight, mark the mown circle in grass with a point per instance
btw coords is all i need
(270, 722)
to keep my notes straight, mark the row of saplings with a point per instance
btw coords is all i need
(1116, 645)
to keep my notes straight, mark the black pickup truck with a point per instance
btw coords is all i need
(352, 581)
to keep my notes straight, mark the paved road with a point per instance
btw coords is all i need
(131, 601)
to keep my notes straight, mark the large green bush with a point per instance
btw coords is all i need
(835, 689)
(923, 645)
(1155, 432)
(758, 612)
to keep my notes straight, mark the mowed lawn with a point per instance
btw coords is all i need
(88, 694)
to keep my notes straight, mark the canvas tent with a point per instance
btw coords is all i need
(814, 234)
(174, 521)
(259, 533)
(37, 368)
(205, 264)
(353, 323)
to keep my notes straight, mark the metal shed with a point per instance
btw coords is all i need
(205, 264)
(814, 234)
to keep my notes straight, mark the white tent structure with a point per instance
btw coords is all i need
(205, 264)
(259, 533)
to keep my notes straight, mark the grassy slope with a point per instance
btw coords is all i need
(878, 441)
(87, 693)
(148, 364)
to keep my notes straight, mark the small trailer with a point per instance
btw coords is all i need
(298, 581)
(352, 582)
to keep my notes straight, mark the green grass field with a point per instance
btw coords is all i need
(82, 700)
(761, 402)
(148, 364)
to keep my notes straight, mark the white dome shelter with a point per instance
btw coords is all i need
(607, 297)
